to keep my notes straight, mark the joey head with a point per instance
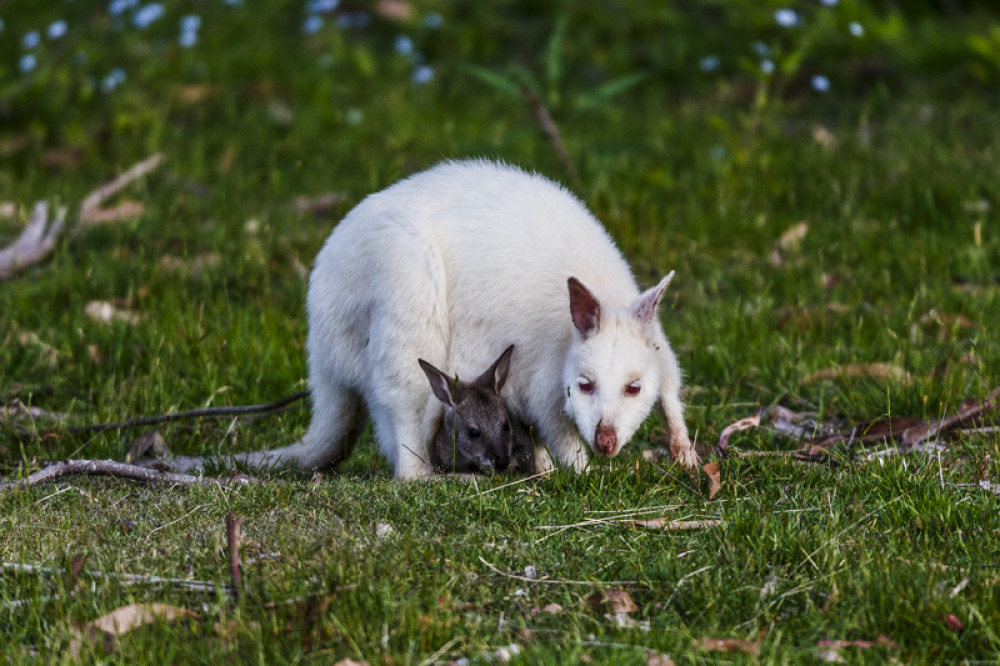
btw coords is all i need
(478, 433)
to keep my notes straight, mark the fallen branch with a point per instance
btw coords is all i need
(35, 242)
(91, 212)
(966, 413)
(124, 578)
(552, 132)
(233, 523)
(207, 412)
(120, 470)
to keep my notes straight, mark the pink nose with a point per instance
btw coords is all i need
(606, 441)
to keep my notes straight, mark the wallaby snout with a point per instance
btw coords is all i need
(606, 440)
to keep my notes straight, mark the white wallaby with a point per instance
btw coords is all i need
(452, 264)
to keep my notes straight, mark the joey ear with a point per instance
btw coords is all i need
(440, 384)
(584, 308)
(496, 375)
(644, 308)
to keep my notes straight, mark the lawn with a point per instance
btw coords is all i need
(822, 176)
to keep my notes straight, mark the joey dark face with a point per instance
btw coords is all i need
(476, 434)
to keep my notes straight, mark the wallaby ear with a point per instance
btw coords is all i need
(584, 308)
(440, 384)
(644, 308)
(496, 375)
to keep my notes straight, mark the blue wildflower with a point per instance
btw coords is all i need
(422, 75)
(27, 62)
(786, 18)
(31, 39)
(312, 24)
(146, 15)
(820, 83)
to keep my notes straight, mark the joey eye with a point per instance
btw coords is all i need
(506, 427)
(632, 390)
(473, 433)
(586, 386)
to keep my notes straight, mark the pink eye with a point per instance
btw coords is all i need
(586, 387)
(632, 390)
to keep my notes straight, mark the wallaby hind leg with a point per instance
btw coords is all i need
(339, 418)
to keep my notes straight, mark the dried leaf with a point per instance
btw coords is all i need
(394, 10)
(107, 313)
(727, 432)
(876, 371)
(792, 237)
(823, 136)
(351, 662)
(658, 659)
(728, 645)
(881, 641)
(611, 601)
(714, 478)
(320, 203)
(144, 444)
(123, 620)
(664, 523)
(8, 209)
(92, 210)
(551, 609)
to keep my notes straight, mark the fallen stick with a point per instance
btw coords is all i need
(121, 470)
(233, 523)
(90, 210)
(125, 578)
(552, 132)
(35, 242)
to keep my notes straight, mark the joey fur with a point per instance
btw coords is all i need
(477, 432)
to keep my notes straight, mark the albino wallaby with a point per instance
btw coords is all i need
(477, 433)
(457, 261)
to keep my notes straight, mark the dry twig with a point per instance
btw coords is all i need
(92, 213)
(233, 523)
(121, 470)
(552, 132)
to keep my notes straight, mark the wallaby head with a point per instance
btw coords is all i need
(612, 373)
(476, 434)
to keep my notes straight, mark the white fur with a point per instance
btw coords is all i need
(452, 265)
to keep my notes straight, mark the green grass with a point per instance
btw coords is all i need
(700, 172)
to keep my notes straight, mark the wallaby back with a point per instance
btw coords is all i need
(478, 432)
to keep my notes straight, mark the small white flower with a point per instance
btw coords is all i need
(113, 79)
(188, 38)
(433, 21)
(709, 63)
(119, 6)
(829, 3)
(56, 29)
(190, 23)
(422, 75)
(403, 45)
(820, 83)
(856, 29)
(354, 117)
(786, 18)
(31, 39)
(321, 6)
(767, 66)
(27, 62)
(146, 15)
(312, 24)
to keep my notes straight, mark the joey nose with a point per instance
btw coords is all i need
(606, 441)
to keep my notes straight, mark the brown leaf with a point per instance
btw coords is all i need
(123, 620)
(664, 523)
(881, 641)
(395, 10)
(551, 609)
(728, 645)
(727, 432)
(792, 237)
(142, 445)
(823, 136)
(72, 575)
(351, 662)
(320, 203)
(611, 601)
(714, 478)
(876, 371)
(658, 659)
